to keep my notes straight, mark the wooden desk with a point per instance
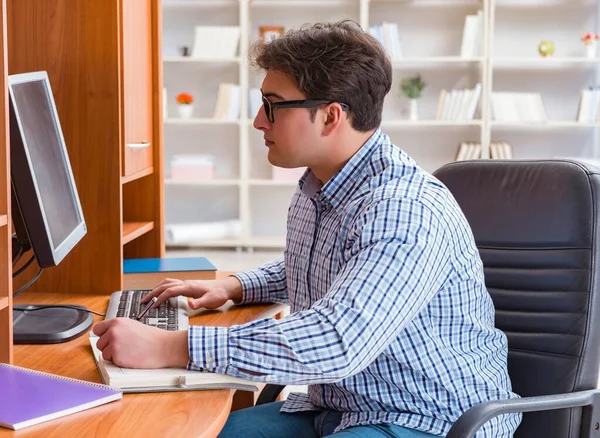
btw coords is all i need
(181, 414)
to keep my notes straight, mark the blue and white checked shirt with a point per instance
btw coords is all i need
(390, 318)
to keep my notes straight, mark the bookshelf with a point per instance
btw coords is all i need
(430, 33)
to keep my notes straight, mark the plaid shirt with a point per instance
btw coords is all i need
(390, 318)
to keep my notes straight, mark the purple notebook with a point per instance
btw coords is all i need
(30, 397)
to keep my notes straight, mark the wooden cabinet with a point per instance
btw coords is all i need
(103, 59)
(137, 78)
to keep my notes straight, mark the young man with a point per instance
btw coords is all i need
(391, 325)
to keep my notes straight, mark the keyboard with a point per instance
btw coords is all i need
(170, 315)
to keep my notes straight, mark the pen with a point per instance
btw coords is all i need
(150, 303)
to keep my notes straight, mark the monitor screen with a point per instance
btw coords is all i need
(41, 173)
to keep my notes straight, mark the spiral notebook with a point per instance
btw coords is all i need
(29, 397)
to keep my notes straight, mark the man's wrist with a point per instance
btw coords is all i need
(178, 354)
(235, 290)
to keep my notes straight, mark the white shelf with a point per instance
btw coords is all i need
(300, 3)
(272, 183)
(267, 242)
(542, 125)
(210, 182)
(543, 63)
(430, 30)
(436, 61)
(198, 121)
(189, 59)
(198, 3)
(430, 123)
(431, 3)
(219, 243)
(502, 4)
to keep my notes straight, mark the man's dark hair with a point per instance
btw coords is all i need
(333, 61)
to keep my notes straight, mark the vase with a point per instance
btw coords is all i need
(414, 110)
(591, 48)
(185, 111)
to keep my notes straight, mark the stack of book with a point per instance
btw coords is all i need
(588, 105)
(387, 35)
(228, 102)
(458, 104)
(468, 151)
(499, 150)
(518, 107)
(472, 41)
(215, 42)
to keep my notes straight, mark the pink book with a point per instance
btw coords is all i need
(29, 397)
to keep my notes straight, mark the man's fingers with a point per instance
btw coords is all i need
(170, 292)
(159, 289)
(102, 327)
(107, 354)
(102, 342)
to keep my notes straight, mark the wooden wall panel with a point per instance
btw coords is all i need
(6, 352)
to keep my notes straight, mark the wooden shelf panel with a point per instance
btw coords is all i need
(3, 220)
(142, 173)
(133, 230)
(3, 303)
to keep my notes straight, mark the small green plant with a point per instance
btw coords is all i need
(412, 87)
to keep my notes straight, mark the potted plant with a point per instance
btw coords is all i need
(185, 107)
(412, 88)
(590, 40)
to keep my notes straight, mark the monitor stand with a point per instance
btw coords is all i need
(49, 326)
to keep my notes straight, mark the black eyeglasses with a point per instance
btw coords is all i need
(308, 103)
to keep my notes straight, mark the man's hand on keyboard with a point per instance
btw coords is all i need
(131, 344)
(209, 294)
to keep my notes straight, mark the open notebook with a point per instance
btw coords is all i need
(29, 397)
(165, 379)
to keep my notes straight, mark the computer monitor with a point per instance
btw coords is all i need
(47, 214)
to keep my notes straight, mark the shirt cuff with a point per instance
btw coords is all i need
(208, 348)
(254, 286)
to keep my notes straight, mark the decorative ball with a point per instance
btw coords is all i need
(546, 48)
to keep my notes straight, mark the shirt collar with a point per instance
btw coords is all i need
(335, 191)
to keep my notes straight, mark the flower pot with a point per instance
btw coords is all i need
(414, 110)
(185, 111)
(591, 49)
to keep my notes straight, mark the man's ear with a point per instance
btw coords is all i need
(333, 115)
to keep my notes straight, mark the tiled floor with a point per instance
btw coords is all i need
(229, 260)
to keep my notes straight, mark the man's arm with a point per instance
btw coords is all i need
(266, 284)
(398, 264)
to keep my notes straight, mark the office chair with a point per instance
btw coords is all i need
(537, 229)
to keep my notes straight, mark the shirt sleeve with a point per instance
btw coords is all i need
(397, 263)
(266, 284)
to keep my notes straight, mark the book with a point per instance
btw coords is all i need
(31, 397)
(131, 380)
(215, 42)
(155, 270)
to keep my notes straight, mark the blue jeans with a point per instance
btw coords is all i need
(265, 421)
